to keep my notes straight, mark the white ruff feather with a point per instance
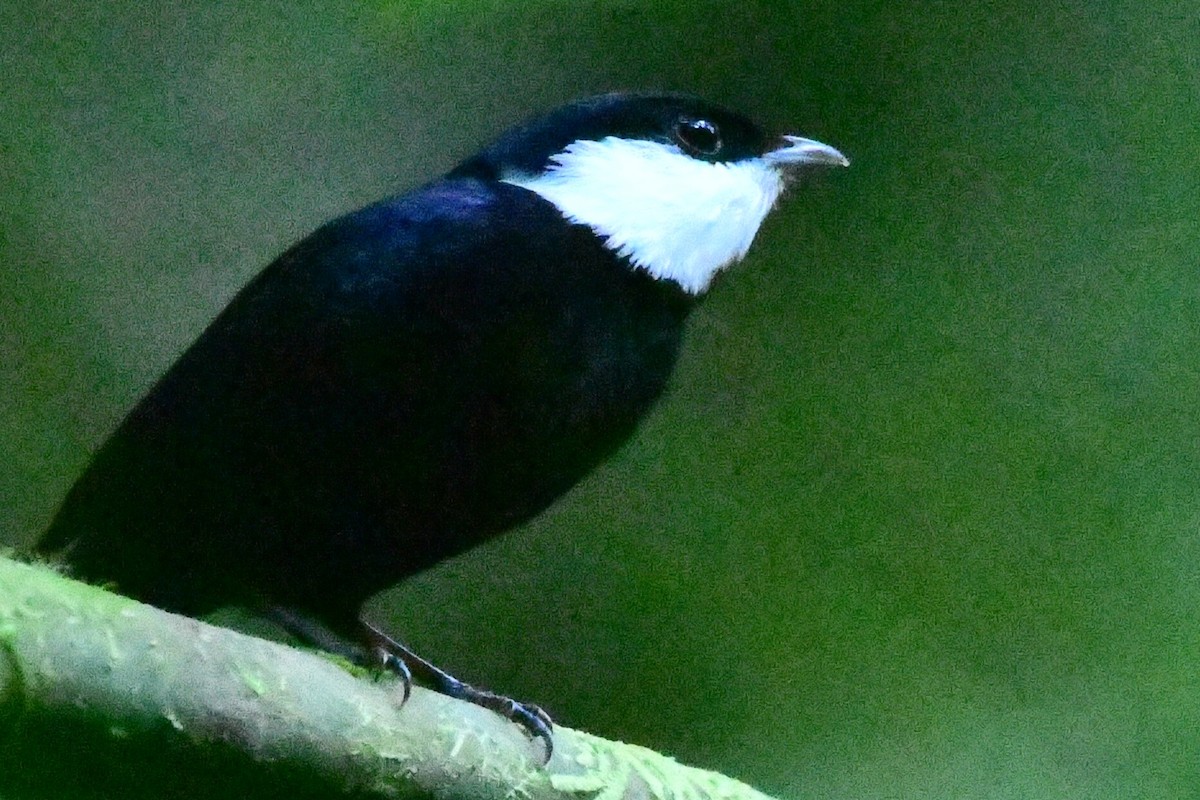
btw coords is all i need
(674, 216)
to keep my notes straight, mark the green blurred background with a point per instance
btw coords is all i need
(920, 516)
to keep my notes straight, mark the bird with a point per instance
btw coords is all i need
(427, 372)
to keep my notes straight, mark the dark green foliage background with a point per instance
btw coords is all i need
(921, 514)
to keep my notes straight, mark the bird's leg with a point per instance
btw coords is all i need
(316, 634)
(530, 717)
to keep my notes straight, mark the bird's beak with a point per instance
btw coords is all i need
(796, 151)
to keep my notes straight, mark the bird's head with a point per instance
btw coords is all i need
(675, 184)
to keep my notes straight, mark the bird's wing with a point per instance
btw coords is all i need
(356, 325)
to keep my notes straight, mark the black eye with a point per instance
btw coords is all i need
(698, 136)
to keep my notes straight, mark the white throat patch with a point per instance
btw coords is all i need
(674, 216)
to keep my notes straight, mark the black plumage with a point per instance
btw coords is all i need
(406, 382)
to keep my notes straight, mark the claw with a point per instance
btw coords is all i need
(394, 663)
(536, 722)
(543, 716)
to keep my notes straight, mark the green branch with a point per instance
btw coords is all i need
(101, 696)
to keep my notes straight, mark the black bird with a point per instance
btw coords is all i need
(427, 372)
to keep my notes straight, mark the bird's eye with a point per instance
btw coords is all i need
(698, 136)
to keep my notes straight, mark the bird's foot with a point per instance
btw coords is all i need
(407, 664)
(315, 633)
(395, 664)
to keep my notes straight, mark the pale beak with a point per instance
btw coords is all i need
(796, 151)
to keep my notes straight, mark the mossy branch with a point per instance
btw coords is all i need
(101, 696)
